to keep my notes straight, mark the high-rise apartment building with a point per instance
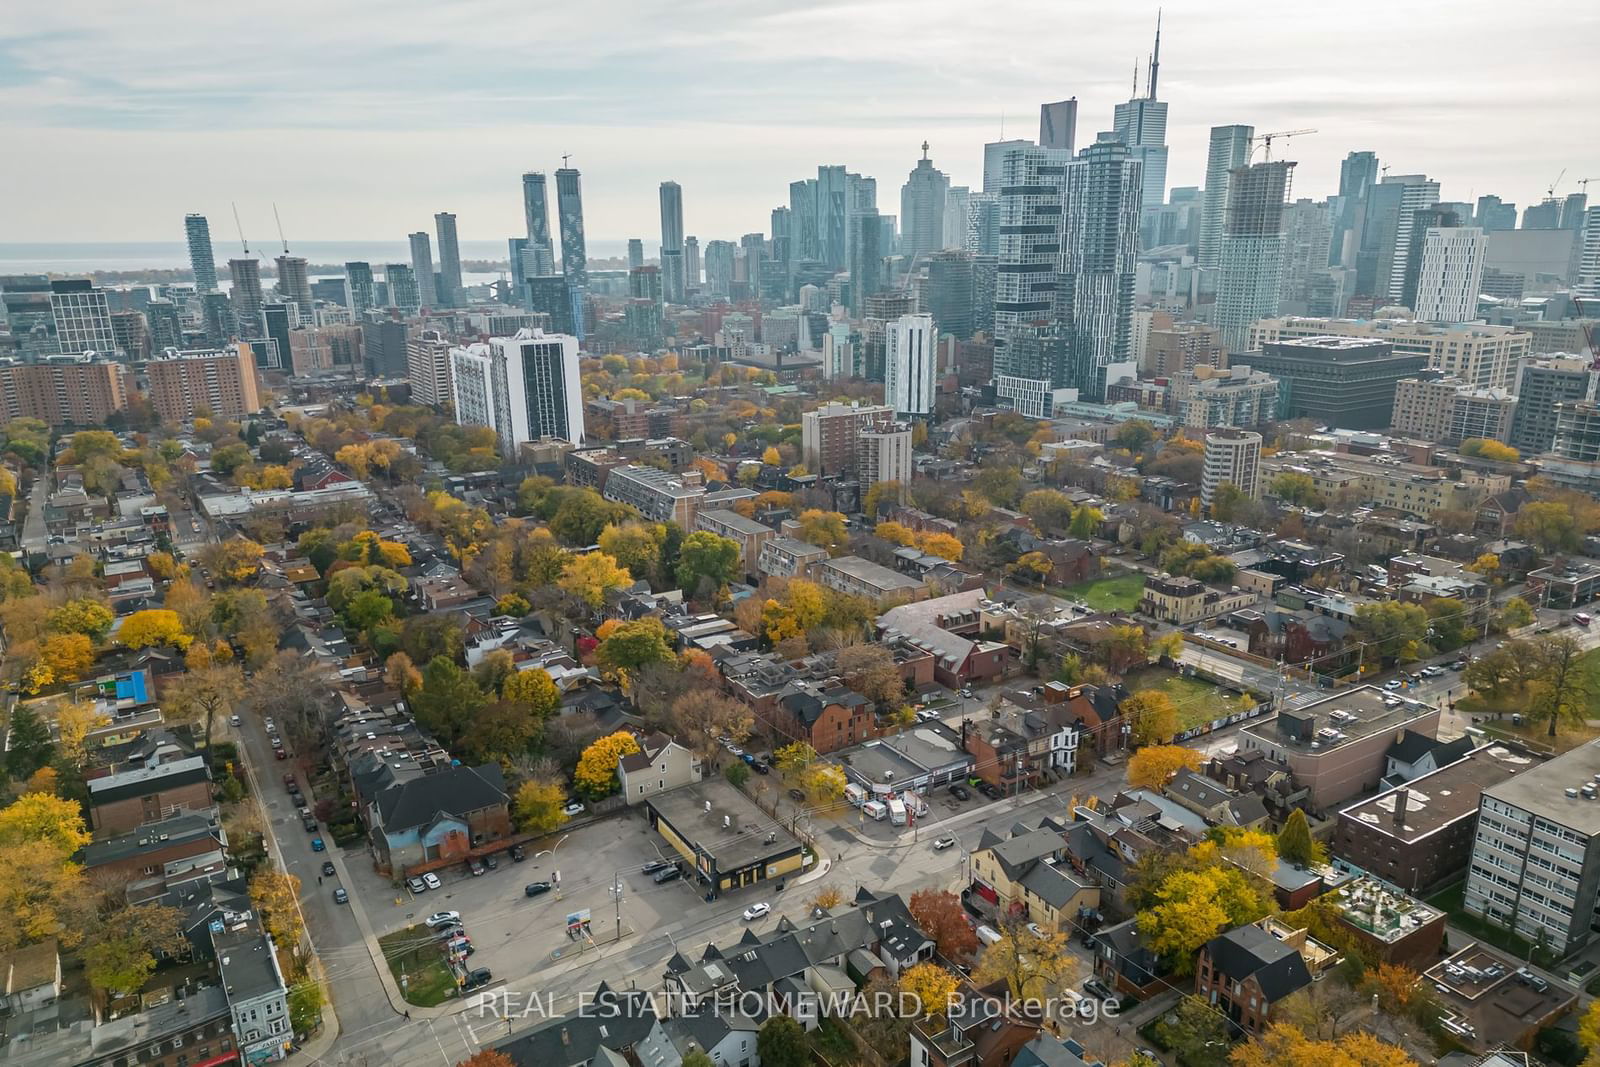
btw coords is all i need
(1233, 457)
(828, 435)
(1141, 124)
(422, 268)
(719, 267)
(82, 317)
(673, 278)
(1494, 214)
(1542, 383)
(1416, 193)
(1357, 175)
(1229, 150)
(1307, 239)
(911, 365)
(803, 213)
(1588, 284)
(1058, 125)
(551, 295)
(884, 454)
(948, 293)
(536, 214)
(574, 253)
(359, 295)
(64, 390)
(166, 324)
(218, 317)
(403, 290)
(131, 334)
(428, 367)
(1031, 189)
(223, 383)
(983, 224)
(866, 261)
(832, 207)
(1099, 252)
(922, 208)
(449, 289)
(635, 253)
(1250, 265)
(201, 258)
(956, 211)
(691, 256)
(994, 154)
(316, 349)
(524, 388)
(294, 284)
(1038, 358)
(246, 293)
(25, 309)
(1485, 356)
(1450, 274)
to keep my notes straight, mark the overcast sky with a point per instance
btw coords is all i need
(363, 118)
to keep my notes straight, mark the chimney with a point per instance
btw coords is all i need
(1400, 806)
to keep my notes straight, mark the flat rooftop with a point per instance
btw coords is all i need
(866, 571)
(1382, 911)
(1490, 1002)
(1339, 720)
(927, 746)
(714, 816)
(878, 764)
(1439, 799)
(1544, 789)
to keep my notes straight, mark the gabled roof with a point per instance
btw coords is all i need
(1413, 746)
(1251, 951)
(613, 1020)
(457, 791)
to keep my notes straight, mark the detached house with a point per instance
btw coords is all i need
(659, 765)
(426, 820)
(1245, 973)
(827, 718)
(1027, 874)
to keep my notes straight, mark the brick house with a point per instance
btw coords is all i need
(124, 800)
(1000, 756)
(1124, 963)
(826, 719)
(429, 819)
(1245, 972)
(162, 856)
(981, 1029)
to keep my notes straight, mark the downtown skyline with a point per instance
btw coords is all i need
(732, 152)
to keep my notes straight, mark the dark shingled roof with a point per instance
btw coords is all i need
(1250, 950)
(457, 791)
(613, 1020)
(1413, 746)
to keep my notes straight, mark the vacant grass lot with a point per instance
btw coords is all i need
(1197, 700)
(417, 962)
(1118, 593)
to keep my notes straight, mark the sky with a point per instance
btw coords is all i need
(361, 119)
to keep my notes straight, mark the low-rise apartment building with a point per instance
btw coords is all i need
(860, 577)
(748, 534)
(659, 496)
(785, 557)
(1182, 600)
(127, 799)
(1483, 356)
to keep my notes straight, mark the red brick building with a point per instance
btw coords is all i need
(827, 720)
(1245, 972)
(123, 801)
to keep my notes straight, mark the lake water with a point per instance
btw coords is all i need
(82, 257)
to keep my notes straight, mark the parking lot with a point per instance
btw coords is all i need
(514, 934)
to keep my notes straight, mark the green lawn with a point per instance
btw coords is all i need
(414, 954)
(1198, 701)
(1119, 593)
(1451, 902)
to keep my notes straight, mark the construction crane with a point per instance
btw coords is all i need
(1266, 140)
(1583, 183)
(1550, 193)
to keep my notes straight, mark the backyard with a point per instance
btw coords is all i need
(417, 961)
(1120, 592)
(1197, 700)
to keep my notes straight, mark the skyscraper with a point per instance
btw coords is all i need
(574, 255)
(1495, 214)
(1357, 175)
(1436, 216)
(1230, 150)
(861, 198)
(994, 154)
(1572, 211)
(910, 364)
(1141, 124)
(1588, 284)
(294, 282)
(866, 261)
(201, 259)
(444, 224)
(1030, 185)
(1545, 215)
(956, 209)
(983, 224)
(949, 291)
(403, 290)
(635, 253)
(719, 267)
(672, 273)
(82, 317)
(524, 388)
(246, 293)
(691, 260)
(922, 208)
(422, 267)
(1250, 266)
(166, 325)
(1099, 251)
(1058, 125)
(1451, 273)
(803, 213)
(832, 199)
(219, 318)
(536, 213)
(1402, 196)
(1307, 234)
(359, 287)
(551, 295)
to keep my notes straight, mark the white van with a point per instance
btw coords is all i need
(855, 794)
(988, 934)
(897, 811)
(875, 809)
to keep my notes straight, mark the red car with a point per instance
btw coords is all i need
(281, 753)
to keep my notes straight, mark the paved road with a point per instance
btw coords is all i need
(35, 538)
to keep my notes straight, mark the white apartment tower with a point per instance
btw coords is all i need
(524, 388)
(1452, 271)
(909, 364)
(1230, 150)
(1232, 456)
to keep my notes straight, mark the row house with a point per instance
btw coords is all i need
(1025, 876)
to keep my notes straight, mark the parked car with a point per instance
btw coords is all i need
(289, 783)
(1096, 988)
(534, 889)
(518, 854)
(479, 976)
(756, 911)
(573, 808)
(668, 875)
(234, 720)
(491, 863)
(431, 880)
(317, 845)
(416, 885)
(280, 753)
(442, 918)
(653, 866)
(988, 789)
(966, 691)
(1392, 684)
(340, 896)
(960, 792)
(296, 799)
(759, 767)
(271, 728)
(310, 824)
(942, 843)
(327, 869)
(475, 866)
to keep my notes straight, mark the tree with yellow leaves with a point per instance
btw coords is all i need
(74, 723)
(1285, 1045)
(234, 560)
(825, 529)
(539, 806)
(276, 894)
(68, 656)
(596, 775)
(590, 576)
(941, 544)
(44, 819)
(42, 896)
(1152, 717)
(1031, 965)
(1152, 766)
(532, 688)
(1193, 906)
(930, 985)
(895, 533)
(152, 627)
(771, 456)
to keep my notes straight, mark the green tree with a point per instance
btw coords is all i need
(1133, 435)
(1085, 522)
(737, 774)
(28, 743)
(706, 562)
(229, 458)
(1227, 502)
(636, 546)
(367, 609)
(1515, 613)
(1391, 630)
(1050, 509)
(305, 1006)
(1548, 524)
(1292, 487)
(448, 701)
(634, 644)
(1296, 845)
(122, 949)
(1197, 1033)
(782, 1043)
(1448, 622)
(1562, 690)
